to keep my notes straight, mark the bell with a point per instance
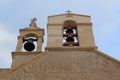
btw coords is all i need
(69, 31)
(29, 45)
(70, 39)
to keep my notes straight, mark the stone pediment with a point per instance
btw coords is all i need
(70, 65)
(27, 28)
(32, 26)
(63, 17)
(69, 14)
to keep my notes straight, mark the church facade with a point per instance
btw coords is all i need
(70, 54)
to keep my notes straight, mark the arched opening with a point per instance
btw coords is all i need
(30, 35)
(70, 33)
(29, 42)
(69, 23)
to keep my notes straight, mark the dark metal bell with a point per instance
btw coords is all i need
(69, 31)
(70, 39)
(29, 45)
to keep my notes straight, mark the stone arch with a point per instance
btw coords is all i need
(69, 23)
(70, 35)
(30, 35)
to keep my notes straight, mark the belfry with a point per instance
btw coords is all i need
(70, 30)
(70, 54)
(28, 36)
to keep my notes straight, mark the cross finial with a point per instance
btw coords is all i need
(33, 23)
(68, 11)
(34, 19)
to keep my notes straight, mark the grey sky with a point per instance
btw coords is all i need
(16, 14)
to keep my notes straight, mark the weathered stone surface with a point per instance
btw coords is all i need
(67, 65)
(3, 70)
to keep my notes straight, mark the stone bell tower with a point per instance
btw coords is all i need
(29, 43)
(28, 36)
(70, 31)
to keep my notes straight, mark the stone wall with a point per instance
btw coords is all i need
(4, 70)
(68, 65)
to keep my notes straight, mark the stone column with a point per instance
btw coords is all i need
(19, 44)
(39, 44)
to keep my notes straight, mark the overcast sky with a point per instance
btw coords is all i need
(16, 14)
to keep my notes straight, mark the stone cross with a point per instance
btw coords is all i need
(33, 23)
(68, 11)
(34, 19)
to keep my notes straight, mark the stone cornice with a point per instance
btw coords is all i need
(31, 29)
(84, 24)
(59, 24)
(25, 53)
(56, 35)
(54, 24)
(70, 14)
(70, 48)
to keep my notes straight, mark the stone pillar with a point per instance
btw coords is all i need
(19, 44)
(39, 44)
